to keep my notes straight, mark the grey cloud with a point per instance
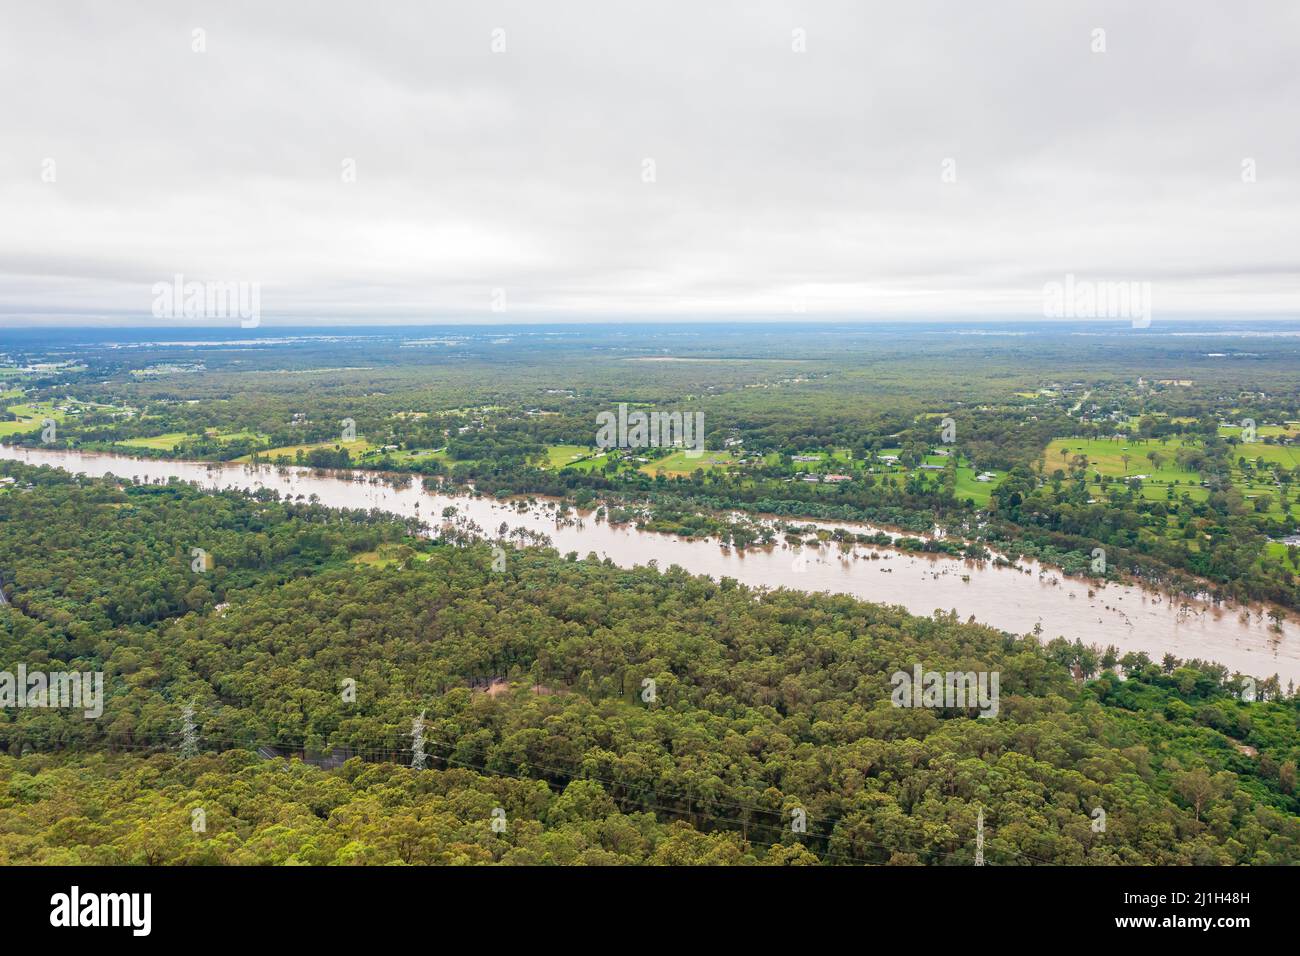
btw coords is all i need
(781, 176)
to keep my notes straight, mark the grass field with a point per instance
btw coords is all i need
(979, 491)
(1286, 455)
(1277, 551)
(31, 409)
(1290, 430)
(168, 441)
(559, 456)
(30, 418)
(235, 436)
(407, 456)
(31, 415)
(1107, 458)
(841, 459)
(410, 456)
(355, 448)
(686, 462)
(20, 426)
(590, 464)
(164, 442)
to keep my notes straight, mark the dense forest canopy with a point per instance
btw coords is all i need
(277, 690)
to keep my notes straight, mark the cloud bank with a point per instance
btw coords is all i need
(526, 161)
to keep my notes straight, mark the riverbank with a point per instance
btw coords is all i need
(1026, 597)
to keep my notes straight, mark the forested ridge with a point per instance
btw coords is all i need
(531, 683)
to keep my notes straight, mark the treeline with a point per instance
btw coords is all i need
(237, 809)
(84, 555)
(1179, 542)
(703, 715)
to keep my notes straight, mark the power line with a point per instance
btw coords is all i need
(386, 754)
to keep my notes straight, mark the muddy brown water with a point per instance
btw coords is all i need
(1012, 599)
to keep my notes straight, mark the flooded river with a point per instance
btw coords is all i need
(1013, 599)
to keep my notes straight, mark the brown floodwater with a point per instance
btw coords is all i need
(1012, 599)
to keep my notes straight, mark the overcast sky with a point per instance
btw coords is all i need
(782, 180)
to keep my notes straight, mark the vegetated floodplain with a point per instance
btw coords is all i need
(1046, 457)
(1169, 452)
